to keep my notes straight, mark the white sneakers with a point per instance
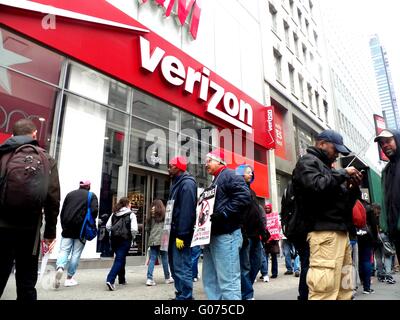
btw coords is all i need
(70, 282)
(150, 282)
(169, 280)
(266, 279)
(59, 274)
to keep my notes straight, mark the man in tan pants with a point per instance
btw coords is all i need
(325, 198)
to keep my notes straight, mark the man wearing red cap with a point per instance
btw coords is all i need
(184, 194)
(221, 261)
(72, 215)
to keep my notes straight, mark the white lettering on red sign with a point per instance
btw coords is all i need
(237, 112)
(270, 117)
(183, 12)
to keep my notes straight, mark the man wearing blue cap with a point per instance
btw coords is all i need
(325, 198)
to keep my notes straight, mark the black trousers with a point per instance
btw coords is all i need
(16, 245)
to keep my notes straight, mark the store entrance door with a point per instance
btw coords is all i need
(144, 187)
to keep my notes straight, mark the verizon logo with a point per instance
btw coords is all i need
(185, 7)
(236, 111)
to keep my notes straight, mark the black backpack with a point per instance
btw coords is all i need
(121, 227)
(24, 179)
(293, 224)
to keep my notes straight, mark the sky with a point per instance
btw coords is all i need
(383, 18)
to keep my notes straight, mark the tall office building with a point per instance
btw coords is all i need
(384, 81)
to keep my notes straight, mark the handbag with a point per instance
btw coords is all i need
(388, 248)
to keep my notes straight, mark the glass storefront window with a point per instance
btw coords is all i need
(30, 99)
(25, 56)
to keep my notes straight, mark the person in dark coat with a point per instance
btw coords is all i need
(253, 232)
(184, 194)
(73, 213)
(221, 261)
(389, 220)
(19, 238)
(325, 198)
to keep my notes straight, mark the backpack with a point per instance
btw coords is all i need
(293, 225)
(121, 227)
(89, 229)
(24, 179)
(359, 215)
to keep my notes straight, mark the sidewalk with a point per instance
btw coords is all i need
(92, 287)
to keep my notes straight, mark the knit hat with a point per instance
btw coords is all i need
(241, 170)
(217, 155)
(84, 183)
(179, 162)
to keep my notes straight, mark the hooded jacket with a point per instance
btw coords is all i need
(184, 192)
(323, 199)
(51, 206)
(390, 215)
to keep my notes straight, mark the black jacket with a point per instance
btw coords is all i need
(184, 192)
(254, 221)
(52, 204)
(74, 210)
(233, 195)
(324, 200)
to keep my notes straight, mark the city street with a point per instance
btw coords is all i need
(92, 287)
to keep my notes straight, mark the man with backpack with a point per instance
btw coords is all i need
(73, 214)
(325, 198)
(25, 192)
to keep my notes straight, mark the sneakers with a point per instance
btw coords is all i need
(265, 279)
(59, 274)
(168, 281)
(288, 273)
(370, 291)
(110, 286)
(70, 282)
(195, 279)
(389, 280)
(150, 282)
(297, 274)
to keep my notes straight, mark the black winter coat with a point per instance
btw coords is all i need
(254, 222)
(233, 195)
(74, 210)
(324, 200)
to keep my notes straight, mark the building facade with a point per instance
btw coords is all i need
(387, 96)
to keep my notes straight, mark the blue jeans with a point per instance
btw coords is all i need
(264, 263)
(221, 267)
(154, 252)
(70, 246)
(288, 248)
(274, 263)
(195, 252)
(180, 262)
(121, 249)
(364, 264)
(250, 263)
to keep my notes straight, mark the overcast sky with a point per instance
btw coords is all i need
(383, 18)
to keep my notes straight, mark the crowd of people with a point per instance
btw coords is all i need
(245, 233)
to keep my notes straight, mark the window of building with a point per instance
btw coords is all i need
(278, 65)
(326, 111)
(287, 33)
(317, 104)
(310, 97)
(304, 49)
(291, 5)
(301, 87)
(299, 17)
(307, 27)
(273, 13)
(291, 78)
(296, 44)
(315, 39)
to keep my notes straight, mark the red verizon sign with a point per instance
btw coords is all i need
(185, 7)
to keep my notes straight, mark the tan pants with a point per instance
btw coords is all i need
(330, 274)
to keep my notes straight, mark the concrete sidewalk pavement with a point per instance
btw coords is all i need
(92, 287)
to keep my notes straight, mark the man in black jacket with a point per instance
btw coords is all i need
(253, 228)
(389, 220)
(73, 213)
(326, 197)
(184, 194)
(20, 231)
(221, 262)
